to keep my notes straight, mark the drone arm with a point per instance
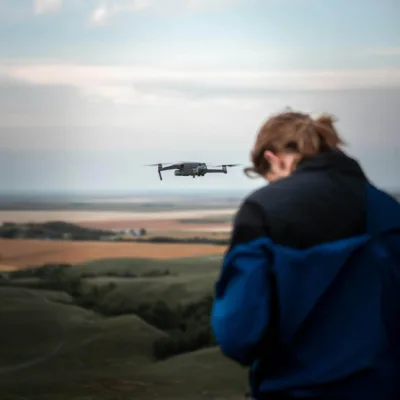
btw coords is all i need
(170, 167)
(215, 171)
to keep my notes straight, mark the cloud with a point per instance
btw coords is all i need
(105, 10)
(46, 6)
(155, 86)
(47, 119)
(102, 11)
(38, 118)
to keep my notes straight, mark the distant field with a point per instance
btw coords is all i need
(157, 225)
(162, 221)
(21, 253)
(215, 233)
(154, 204)
(4, 267)
(87, 215)
(218, 219)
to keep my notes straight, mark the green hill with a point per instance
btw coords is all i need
(58, 345)
(204, 372)
(126, 266)
(173, 290)
(33, 327)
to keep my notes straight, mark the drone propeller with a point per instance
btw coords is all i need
(226, 165)
(158, 164)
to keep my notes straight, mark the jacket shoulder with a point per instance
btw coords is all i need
(304, 210)
(383, 211)
(273, 192)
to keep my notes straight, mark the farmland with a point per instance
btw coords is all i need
(166, 222)
(107, 216)
(183, 224)
(20, 253)
(109, 320)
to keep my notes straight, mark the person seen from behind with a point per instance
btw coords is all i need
(309, 292)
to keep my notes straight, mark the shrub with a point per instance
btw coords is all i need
(46, 271)
(192, 331)
(188, 326)
(92, 297)
(156, 274)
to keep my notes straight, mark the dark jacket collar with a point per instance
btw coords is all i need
(331, 161)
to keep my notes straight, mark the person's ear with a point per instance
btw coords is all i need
(273, 160)
(270, 157)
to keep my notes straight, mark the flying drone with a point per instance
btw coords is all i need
(188, 168)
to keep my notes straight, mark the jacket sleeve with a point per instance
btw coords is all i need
(391, 292)
(240, 314)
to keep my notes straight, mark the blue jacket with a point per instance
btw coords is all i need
(317, 315)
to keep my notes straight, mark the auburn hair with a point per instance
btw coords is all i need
(294, 132)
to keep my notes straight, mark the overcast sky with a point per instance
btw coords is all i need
(91, 90)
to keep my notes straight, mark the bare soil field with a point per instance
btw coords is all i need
(168, 221)
(219, 228)
(217, 234)
(156, 225)
(106, 216)
(23, 253)
(4, 268)
(152, 221)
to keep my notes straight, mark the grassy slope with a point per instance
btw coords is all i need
(204, 372)
(85, 356)
(171, 289)
(191, 279)
(186, 266)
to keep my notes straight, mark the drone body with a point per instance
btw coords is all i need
(190, 168)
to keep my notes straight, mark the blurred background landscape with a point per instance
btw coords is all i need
(110, 297)
(107, 273)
